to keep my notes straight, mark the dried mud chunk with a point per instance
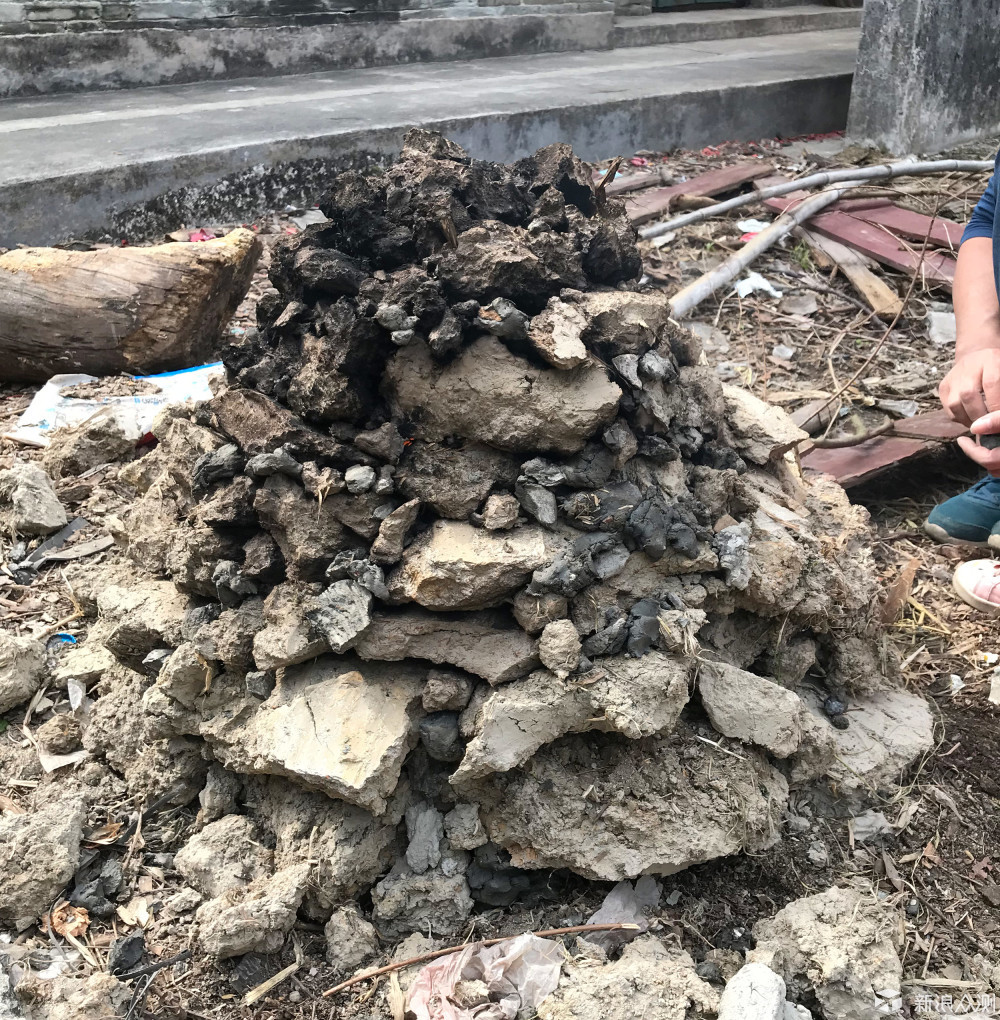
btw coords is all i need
(489, 394)
(496, 260)
(611, 255)
(22, 668)
(453, 480)
(335, 725)
(654, 808)
(308, 534)
(337, 377)
(649, 980)
(634, 697)
(226, 854)
(255, 919)
(624, 322)
(836, 945)
(557, 166)
(28, 503)
(38, 856)
(486, 644)
(455, 566)
(406, 902)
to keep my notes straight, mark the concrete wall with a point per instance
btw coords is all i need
(928, 74)
(49, 46)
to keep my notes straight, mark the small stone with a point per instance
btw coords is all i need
(463, 827)
(260, 683)
(500, 512)
(350, 940)
(185, 901)
(559, 648)
(341, 614)
(321, 482)
(125, 953)
(28, 502)
(60, 735)
(818, 853)
(537, 501)
(402, 337)
(388, 546)
(359, 478)
(504, 319)
(621, 441)
(385, 442)
(440, 736)
(279, 462)
(394, 318)
(533, 612)
(425, 831)
(153, 663)
(557, 334)
(447, 690)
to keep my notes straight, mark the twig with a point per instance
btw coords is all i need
(264, 987)
(424, 957)
(689, 297)
(840, 444)
(609, 175)
(892, 325)
(853, 174)
(152, 968)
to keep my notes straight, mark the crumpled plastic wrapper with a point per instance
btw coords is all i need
(522, 971)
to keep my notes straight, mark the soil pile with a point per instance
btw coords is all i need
(473, 572)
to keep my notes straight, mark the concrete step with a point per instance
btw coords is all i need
(744, 23)
(136, 162)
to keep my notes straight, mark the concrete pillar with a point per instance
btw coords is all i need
(928, 74)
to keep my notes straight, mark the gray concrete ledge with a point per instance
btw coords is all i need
(82, 61)
(744, 23)
(224, 152)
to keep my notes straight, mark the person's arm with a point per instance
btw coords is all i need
(971, 390)
(972, 387)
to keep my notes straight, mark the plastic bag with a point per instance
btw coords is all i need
(49, 410)
(522, 971)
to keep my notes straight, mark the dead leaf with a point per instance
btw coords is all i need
(945, 800)
(891, 873)
(135, 913)
(899, 591)
(105, 834)
(67, 921)
(6, 804)
(906, 813)
(930, 855)
(980, 868)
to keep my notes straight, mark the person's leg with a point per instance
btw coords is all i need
(968, 518)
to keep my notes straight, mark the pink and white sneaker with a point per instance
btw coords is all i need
(978, 584)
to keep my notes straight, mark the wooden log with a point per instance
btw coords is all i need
(115, 310)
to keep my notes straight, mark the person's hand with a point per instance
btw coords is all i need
(984, 457)
(972, 388)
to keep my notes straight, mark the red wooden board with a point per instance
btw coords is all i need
(915, 436)
(945, 233)
(653, 202)
(853, 465)
(877, 243)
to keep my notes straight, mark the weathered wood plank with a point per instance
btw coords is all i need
(878, 295)
(654, 202)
